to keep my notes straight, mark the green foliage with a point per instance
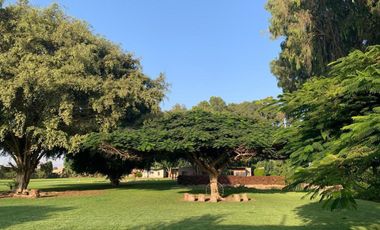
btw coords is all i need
(58, 82)
(7, 172)
(94, 162)
(138, 174)
(68, 170)
(12, 185)
(178, 108)
(215, 104)
(317, 33)
(210, 140)
(46, 169)
(260, 171)
(189, 132)
(205, 133)
(266, 110)
(335, 135)
(276, 167)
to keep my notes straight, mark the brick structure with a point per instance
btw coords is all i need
(261, 182)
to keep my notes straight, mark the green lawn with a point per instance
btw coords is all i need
(158, 205)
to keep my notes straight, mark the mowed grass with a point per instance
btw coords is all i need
(158, 205)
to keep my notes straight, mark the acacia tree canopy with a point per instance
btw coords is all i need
(58, 82)
(210, 140)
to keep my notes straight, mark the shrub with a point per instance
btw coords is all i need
(259, 171)
(138, 174)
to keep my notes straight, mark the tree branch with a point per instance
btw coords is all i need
(206, 167)
(109, 149)
(244, 153)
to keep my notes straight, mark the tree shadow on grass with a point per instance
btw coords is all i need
(145, 185)
(367, 215)
(18, 214)
(311, 214)
(212, 222)
(156, 185)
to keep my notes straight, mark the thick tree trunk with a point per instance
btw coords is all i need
(25, 159)
(23, 178)
(213, 168)
(169, 172)
(115, 181)
(214, 190)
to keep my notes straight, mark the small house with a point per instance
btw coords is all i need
(239, 171)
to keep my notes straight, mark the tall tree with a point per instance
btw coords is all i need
(335, 134)
(264, 110)
(318, 32)
(58, 82)
(214, 104)
(46, 169)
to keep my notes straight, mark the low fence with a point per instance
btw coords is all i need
(262, 182)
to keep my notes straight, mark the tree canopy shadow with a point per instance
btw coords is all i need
(367, 215)
(211, 222)
(145, 185)
(157, 185)
(312, 215)
(13, 215)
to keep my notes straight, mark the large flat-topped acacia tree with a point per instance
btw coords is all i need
(58, 82)
(210, 140)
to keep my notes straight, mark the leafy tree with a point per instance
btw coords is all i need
(335, 136)
(58, 82)
(68, 170)
(46, 169)
(317, 33)
(178, 108)
(264, 110)
(209, 140)
(259, 171)
(113, 166)
(215, 104)
(276, 167)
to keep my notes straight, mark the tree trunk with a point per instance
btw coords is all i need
(214, 190)
(25, 159)
(169, 173)
(115, 181)
(23, 178)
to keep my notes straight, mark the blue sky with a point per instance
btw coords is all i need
(205, 47)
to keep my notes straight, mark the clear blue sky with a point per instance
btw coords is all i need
(205, 47)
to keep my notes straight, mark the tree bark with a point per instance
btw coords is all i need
(23, 178)
(25, 159)
(213, 169)
(25, 169)
(214, 190)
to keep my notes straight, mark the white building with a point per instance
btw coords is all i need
(150, 173)
(235, 171)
